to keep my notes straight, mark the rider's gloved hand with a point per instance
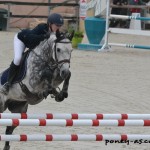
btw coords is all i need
(47, 35)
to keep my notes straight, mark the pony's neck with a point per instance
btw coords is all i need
(45, 48)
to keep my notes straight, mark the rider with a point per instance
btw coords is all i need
(30, 39)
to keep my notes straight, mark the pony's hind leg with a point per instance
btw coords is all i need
(9, 130)
(14, 107)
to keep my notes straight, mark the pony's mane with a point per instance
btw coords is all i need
(45, 44)
(61, 37)
(48, 43)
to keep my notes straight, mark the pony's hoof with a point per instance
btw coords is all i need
(45, 94)
(61, 96)
(65, 94)
(7, 147)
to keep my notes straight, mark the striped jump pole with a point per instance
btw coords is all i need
(130, 46)
(130, 17)
(72, 116)
(74, 137)
(69, 122)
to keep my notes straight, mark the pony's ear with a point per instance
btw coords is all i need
(59, 35)
(70, 36)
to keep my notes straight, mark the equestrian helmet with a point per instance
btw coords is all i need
(55, 19)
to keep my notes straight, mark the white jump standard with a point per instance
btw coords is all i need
(106, 44)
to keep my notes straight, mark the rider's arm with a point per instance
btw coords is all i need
(32, 38)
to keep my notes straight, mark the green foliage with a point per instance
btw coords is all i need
(77, 38)
(78, 34)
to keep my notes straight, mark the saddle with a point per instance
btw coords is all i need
(21, 73)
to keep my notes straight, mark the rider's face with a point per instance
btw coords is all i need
(55, 27)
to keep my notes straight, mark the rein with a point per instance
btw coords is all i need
(53, 66)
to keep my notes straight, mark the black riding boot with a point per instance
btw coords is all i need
(12, 74)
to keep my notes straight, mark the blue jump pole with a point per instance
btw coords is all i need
(130, 17)
(142, 47)
(131, 46)
(139, 18)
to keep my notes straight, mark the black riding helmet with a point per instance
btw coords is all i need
(55, 19)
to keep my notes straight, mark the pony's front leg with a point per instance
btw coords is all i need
(64, 92)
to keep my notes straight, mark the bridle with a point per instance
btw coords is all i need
(55, 54)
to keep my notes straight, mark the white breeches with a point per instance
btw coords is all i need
(19, 48)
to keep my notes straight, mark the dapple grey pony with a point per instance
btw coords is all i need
(37, 84)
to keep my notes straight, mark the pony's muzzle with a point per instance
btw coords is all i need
(64, 70)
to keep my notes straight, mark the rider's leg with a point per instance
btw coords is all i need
(13, 70)
(19, 47)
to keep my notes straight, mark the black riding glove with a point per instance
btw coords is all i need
(47, 35)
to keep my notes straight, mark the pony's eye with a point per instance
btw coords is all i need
(58, 49)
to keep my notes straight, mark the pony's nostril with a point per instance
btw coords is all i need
(64, 74)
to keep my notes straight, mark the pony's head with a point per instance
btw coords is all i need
(62, 54)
